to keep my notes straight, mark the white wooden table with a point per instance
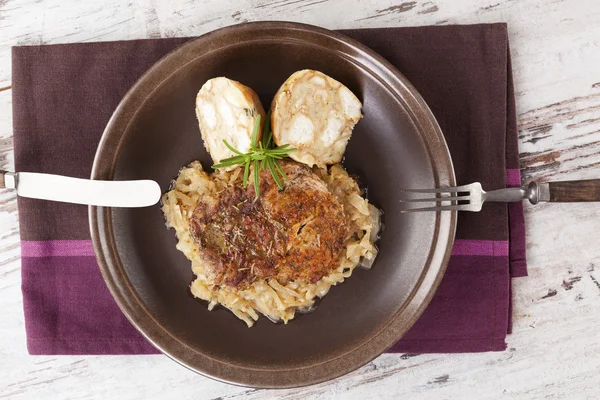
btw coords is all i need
(554, 351)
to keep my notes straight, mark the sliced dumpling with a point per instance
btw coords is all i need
(226, 110)
(315, 114)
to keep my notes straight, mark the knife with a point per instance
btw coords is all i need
(138, 193)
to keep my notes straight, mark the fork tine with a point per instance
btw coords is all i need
(460, 207)
(436, 199)
(464, 188)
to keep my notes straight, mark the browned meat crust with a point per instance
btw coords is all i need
(297, 233)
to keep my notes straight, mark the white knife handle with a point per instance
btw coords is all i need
(7, 180)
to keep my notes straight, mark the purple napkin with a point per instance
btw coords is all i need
(63, 96)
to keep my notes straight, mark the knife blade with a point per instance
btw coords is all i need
(135, 193)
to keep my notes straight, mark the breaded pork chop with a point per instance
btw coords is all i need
(297, 233)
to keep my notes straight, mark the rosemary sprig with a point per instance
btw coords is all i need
(262, 155)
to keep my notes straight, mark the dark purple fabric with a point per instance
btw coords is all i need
(518, 264)
(70, 311)
(63, 96)
(483, 328)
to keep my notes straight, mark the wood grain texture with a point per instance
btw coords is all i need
(575, 191)
(554, 352)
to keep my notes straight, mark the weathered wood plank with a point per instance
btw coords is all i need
(554, 351)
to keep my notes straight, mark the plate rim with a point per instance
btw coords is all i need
(122, 290)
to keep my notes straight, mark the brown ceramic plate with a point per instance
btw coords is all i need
(397, 144)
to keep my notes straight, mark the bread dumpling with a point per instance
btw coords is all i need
(227, 110)
(315, 114)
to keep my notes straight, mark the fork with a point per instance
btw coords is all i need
(471, 197)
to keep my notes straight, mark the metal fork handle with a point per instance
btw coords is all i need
(535, 193)
(556, 192)
(506, 195)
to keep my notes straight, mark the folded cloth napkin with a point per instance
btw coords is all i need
(63, 96)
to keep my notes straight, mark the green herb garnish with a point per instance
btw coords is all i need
(262, 155)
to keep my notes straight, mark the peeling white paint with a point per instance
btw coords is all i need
(554, 351)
